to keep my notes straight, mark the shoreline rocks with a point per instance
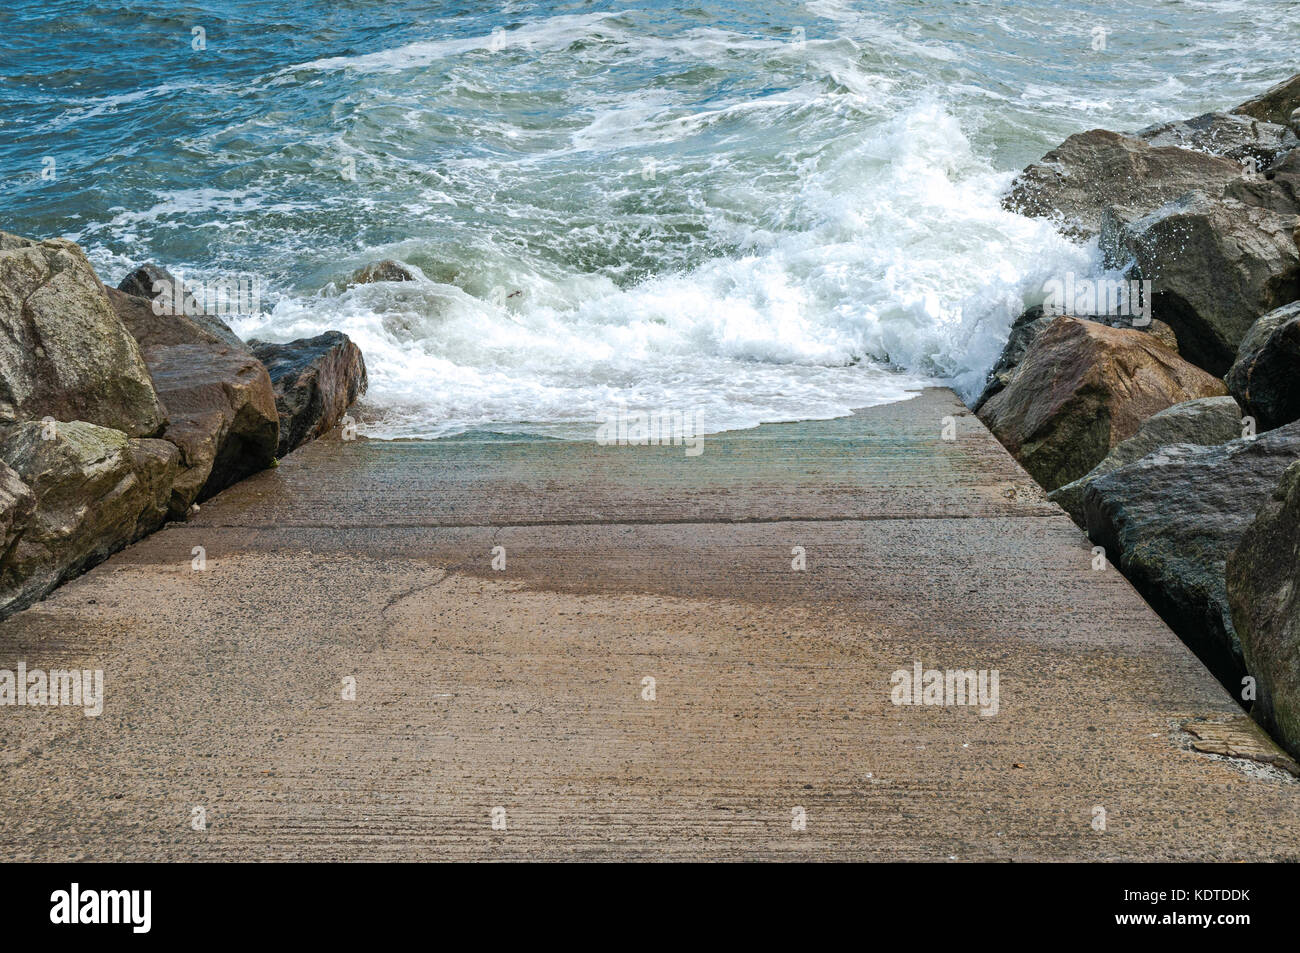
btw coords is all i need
(315, 381)
(1083, 387)
(121, 408)
(1263, 583)
(1264, 378)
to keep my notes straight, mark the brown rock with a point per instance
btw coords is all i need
(316, 380)
(1276, 104)
(1083, 387)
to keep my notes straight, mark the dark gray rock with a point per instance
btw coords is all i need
(1263, 582)
(315, 380)
(1235, 137)
(1216, 264)
(1209, 421)
(1170, 520)
(1265, 378)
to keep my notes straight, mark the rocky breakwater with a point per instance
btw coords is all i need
(1172, 438)
(120, 409)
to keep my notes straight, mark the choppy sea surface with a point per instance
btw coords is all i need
(754, 211)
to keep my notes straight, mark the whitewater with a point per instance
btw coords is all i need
(749, 212)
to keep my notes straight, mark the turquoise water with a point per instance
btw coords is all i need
(761, 211)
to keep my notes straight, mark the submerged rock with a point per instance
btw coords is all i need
(1094, 170)
(1265, 378)
(1216, 265)
(315, 380)
(1275, 104)
(95, 490)
(1170, 520)
(1209, 421)
(386, 270)
(63, 352)
(1082, 388)
(1263, 585)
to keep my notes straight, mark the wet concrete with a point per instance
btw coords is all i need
(524, 689)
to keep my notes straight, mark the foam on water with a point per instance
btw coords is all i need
(760, 211)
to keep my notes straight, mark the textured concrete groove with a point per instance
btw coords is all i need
(521, 689)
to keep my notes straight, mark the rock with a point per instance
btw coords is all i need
(1026, 328)
(1263, 583)
(1171, 519)
(1209, 421)
(1264, 377)
(1081, 389)
(63, 352)
(1216, 265)
(316, 380)
(1276, 104)
(17, 503)
(163, 291)
(217, 394)
(95, 491)
(1090, 171)
(386, 270)
(1224, 134)
(223, 416)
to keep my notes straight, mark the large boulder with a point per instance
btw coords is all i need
(1216, 266)
(1265, 378)
(1091, 171)
(1263, 583)
(1207, 422)
(63, 352)
(1171, 519)
(1235, 137)
(218, 397)
(1081, 389)
(1275, 104)
(1025, 330)
(316, 380)
(168, 295)
(95, 491)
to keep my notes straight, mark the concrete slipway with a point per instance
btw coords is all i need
(523, 689)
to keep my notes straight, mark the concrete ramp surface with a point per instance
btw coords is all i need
(681, 658)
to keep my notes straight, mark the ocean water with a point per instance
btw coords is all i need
(752, 211)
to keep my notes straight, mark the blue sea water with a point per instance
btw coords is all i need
(756, 210)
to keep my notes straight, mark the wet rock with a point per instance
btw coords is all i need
(1081, 389)
(95, 491)
(1235, 137)
(1091, 171)
(386, 270)
(217, 394)
(316, 380)
(1263, 585)
(1026, 328)
(1216, 265)
(1209, 421)
(167, 295)
(63, 352)
(222, 416)
(1265, 378)
(1171, 519)
(1276, 104)
(17, 503)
